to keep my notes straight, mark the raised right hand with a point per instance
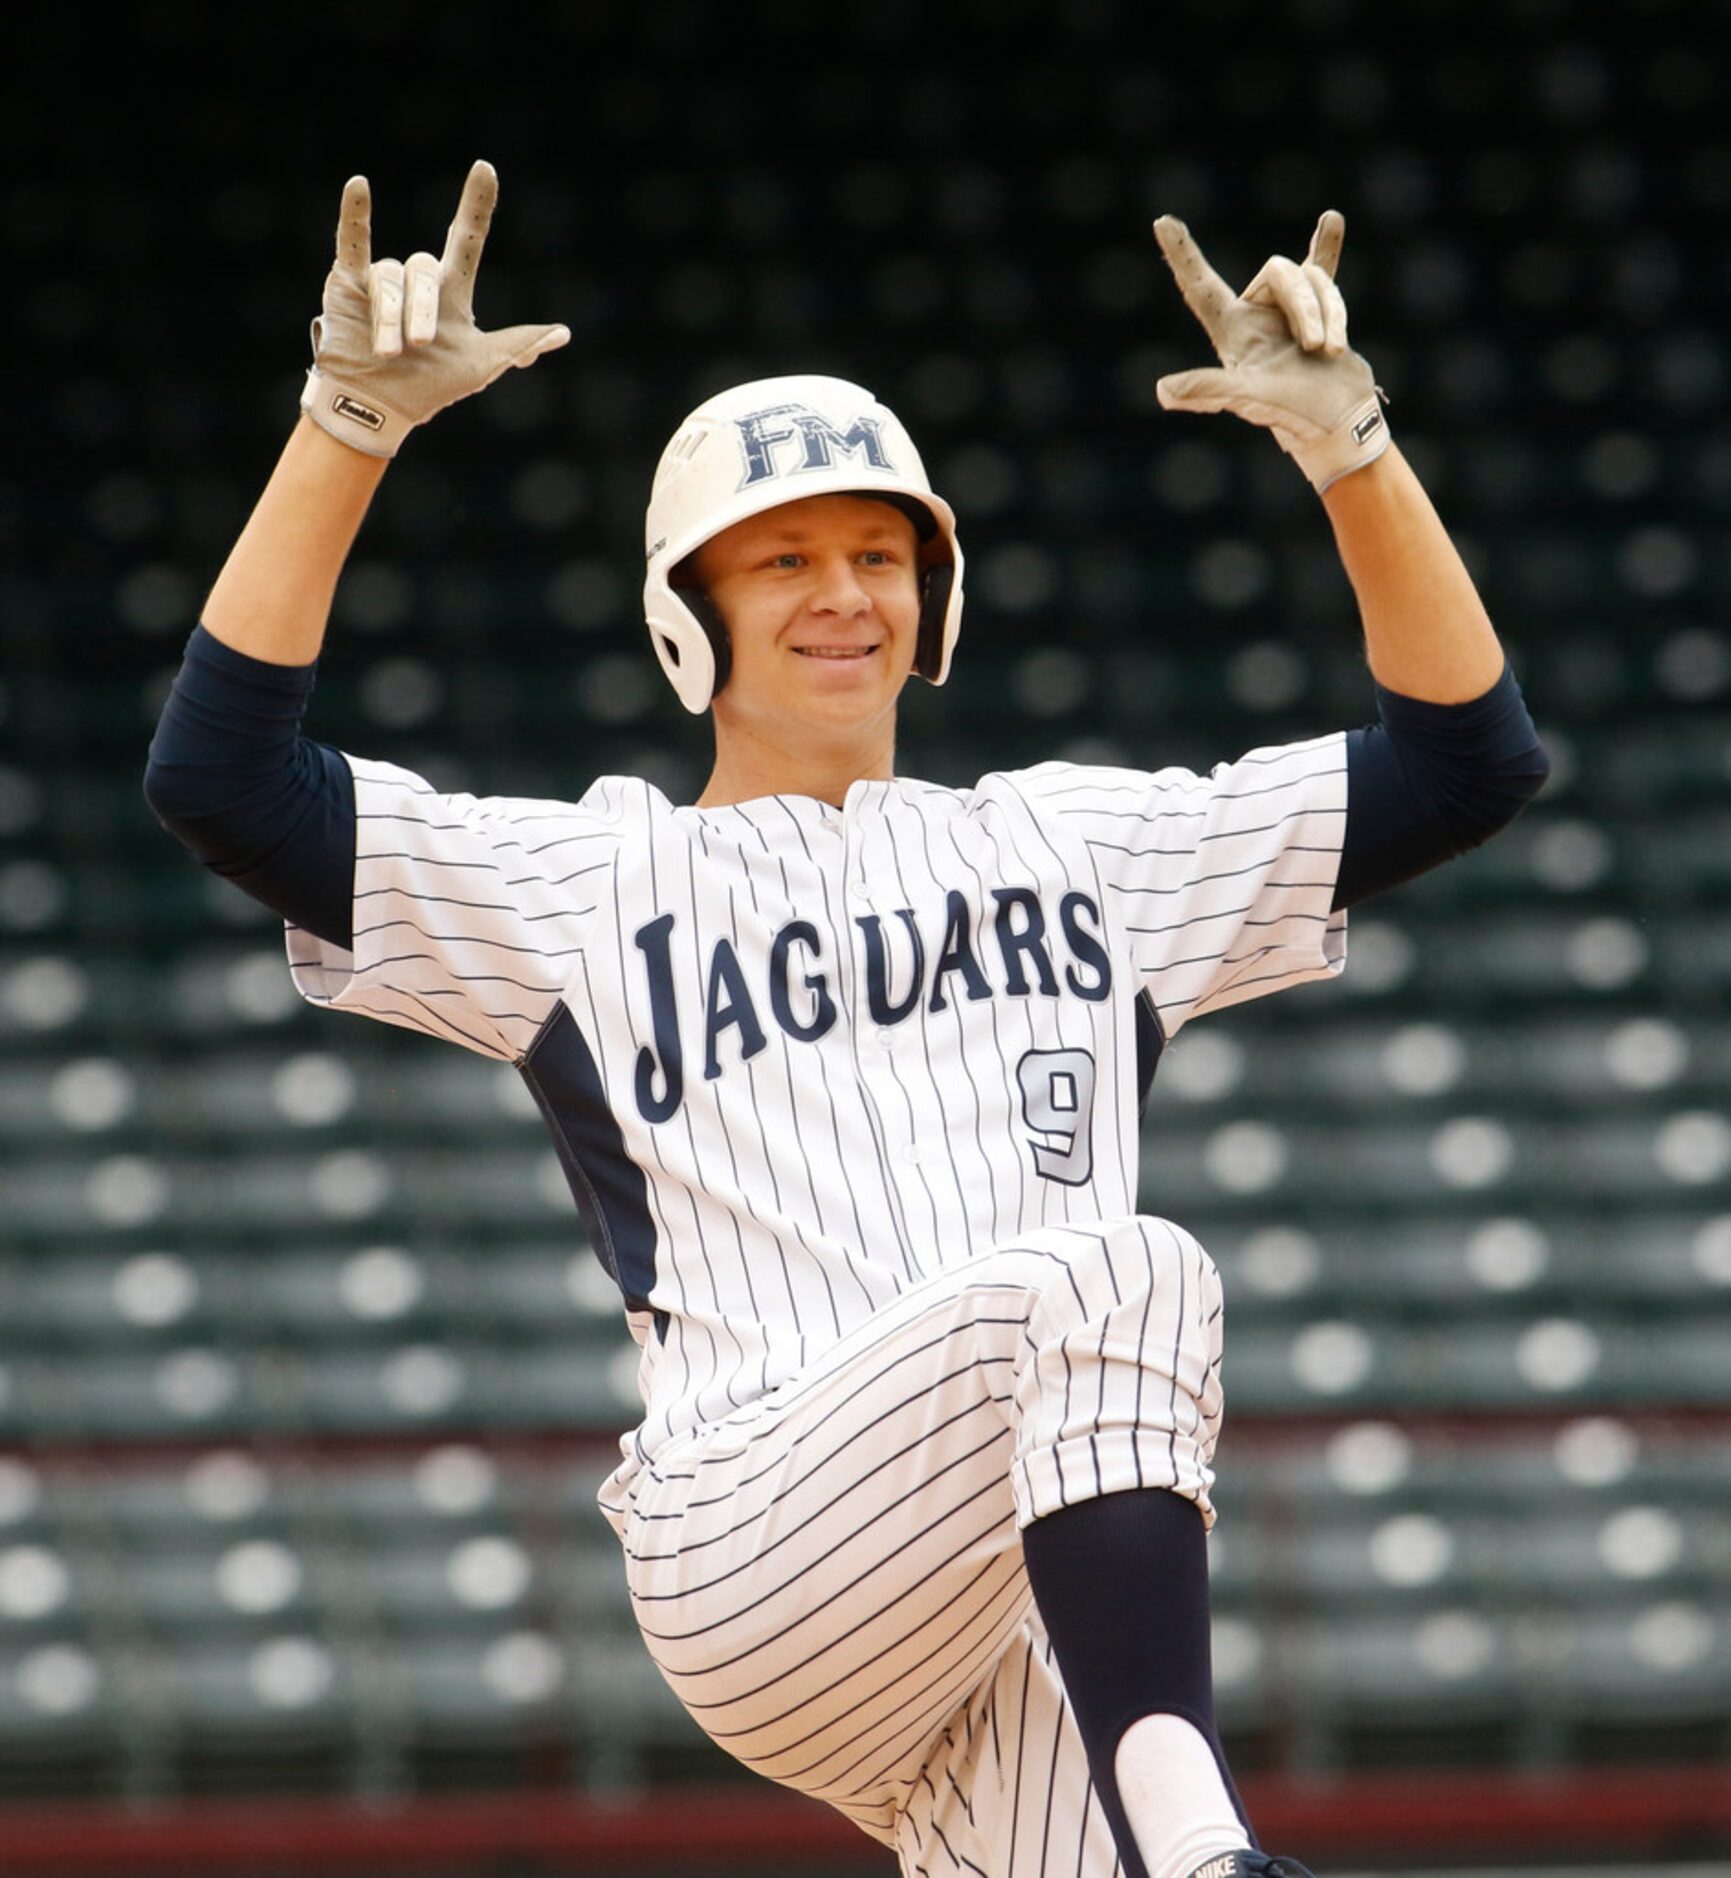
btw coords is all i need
(397, 341)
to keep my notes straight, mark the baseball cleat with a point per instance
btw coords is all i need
(1251, 1865)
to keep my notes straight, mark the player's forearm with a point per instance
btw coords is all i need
(273, 597)
(1426, 631)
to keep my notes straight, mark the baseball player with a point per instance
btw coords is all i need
(845, 1068)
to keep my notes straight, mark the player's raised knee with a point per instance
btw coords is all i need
(1142, 1255)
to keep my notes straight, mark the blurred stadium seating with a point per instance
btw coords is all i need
(306, 1377)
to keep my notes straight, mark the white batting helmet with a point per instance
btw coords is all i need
(753, 448)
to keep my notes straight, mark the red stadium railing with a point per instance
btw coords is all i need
(1645, 1812)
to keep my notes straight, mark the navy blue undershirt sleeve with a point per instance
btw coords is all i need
(1432, 780)
(231, 777)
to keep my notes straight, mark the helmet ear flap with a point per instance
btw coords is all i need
(708, 616)
(934, 604)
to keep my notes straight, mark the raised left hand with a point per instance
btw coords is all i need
(1284, 360)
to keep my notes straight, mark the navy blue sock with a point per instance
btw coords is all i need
(1122, 1587)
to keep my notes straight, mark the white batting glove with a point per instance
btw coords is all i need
(1284, 360)
(397, 340)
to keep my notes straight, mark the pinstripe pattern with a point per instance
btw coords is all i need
(1006, 1791)
(1219, 877)
(832, 1578)
(871, 1070)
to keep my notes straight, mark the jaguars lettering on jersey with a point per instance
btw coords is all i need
(798, 1057)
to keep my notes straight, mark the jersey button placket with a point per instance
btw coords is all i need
(874, 1064)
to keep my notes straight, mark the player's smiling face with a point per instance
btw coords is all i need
(822, 603)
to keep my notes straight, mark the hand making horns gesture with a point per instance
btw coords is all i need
(1284, 360)
(397, 341)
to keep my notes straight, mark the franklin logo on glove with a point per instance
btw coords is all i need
(345, 406)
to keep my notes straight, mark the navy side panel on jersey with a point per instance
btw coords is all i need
(611, 1193)
(1150, 1041)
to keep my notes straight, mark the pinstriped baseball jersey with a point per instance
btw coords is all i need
(797, 1057)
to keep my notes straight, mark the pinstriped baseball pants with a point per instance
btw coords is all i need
(831, 1578)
